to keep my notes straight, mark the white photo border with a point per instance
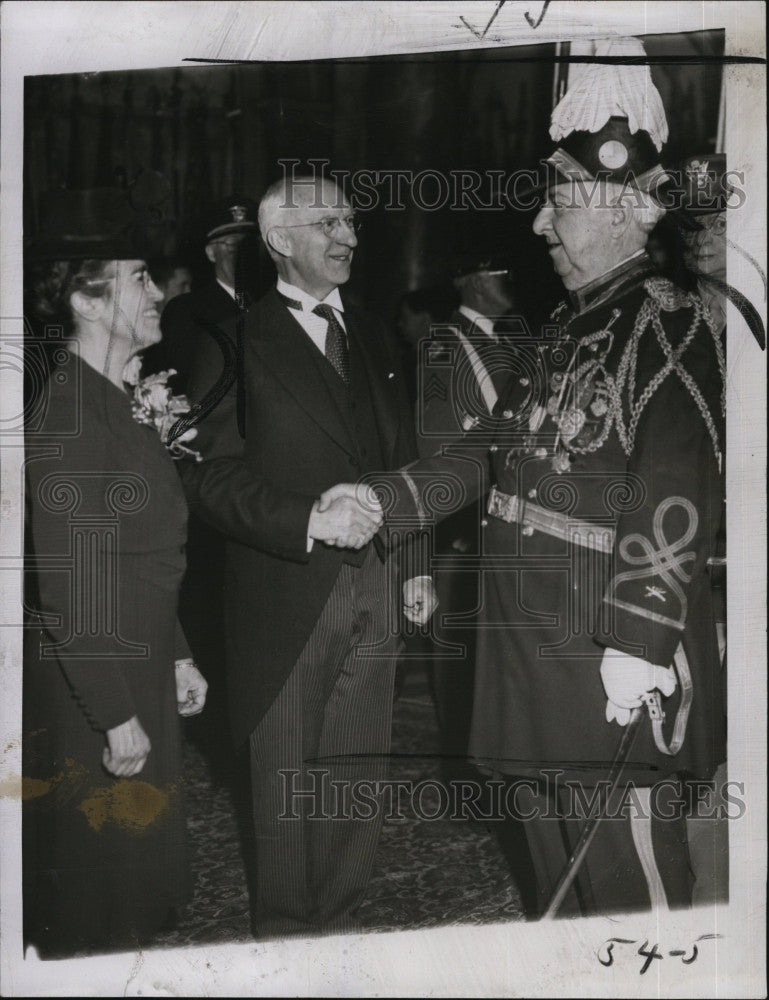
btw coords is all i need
(555, 959)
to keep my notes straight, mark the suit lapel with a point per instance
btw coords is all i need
(284, 347)
(380, 375)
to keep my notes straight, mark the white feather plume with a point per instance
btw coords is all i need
(598, 92)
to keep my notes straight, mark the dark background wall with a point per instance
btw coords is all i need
(187, 136)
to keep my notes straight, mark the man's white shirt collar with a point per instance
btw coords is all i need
(308, 303)
(479, 320)
(228, 290)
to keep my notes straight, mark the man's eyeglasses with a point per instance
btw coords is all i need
(330, 226)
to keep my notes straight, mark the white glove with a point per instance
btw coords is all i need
(625, 678)
(419, 599)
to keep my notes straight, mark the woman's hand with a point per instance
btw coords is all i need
(127, 749)
(191, 687)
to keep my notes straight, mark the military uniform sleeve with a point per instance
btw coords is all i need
(673, 495)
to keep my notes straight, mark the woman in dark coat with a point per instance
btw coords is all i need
(107, 670)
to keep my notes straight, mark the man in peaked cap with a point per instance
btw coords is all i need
(462, 368)
(185, 320)
(704, 204)
(605, 504)
(185, 323)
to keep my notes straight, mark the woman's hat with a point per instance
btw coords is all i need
(95, 223)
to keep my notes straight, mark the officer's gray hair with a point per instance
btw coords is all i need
(646, 211)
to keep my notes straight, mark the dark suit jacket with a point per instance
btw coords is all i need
(183, 322)
(259, 491)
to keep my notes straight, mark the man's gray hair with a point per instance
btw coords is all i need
(270, 207)
(292, 192)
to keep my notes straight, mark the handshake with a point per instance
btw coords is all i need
(347, 516)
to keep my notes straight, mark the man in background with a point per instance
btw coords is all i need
(185, 322)
(186, 318)
(703, 229)
(463, 365)
(172, 277)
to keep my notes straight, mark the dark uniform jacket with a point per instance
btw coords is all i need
(302, 436)
(462, 370)
(184, 322)
(612, 431)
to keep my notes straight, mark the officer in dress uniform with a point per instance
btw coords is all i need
(704, 204)
(703, 228)
(604, 507)
(462, 368)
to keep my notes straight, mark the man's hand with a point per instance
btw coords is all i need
(127, 749)
(419, 599)
(191, 687)
(347, 516)
(364, 495)
(625, 678)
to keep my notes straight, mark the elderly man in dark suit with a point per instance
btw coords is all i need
(311, 623)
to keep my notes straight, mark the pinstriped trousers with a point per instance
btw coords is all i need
(331, 722)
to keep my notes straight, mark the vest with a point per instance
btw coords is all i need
(355, 406)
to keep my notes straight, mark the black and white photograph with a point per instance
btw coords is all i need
(383, 499)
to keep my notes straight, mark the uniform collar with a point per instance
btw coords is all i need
(632, 269)
(478, 320)
(308, 302)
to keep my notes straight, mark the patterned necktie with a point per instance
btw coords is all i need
(336, 343)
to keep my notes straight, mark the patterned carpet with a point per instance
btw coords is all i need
(428, 873)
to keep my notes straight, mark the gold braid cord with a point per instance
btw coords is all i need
(663, 296)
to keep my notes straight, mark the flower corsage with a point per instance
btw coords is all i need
(154, 404)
